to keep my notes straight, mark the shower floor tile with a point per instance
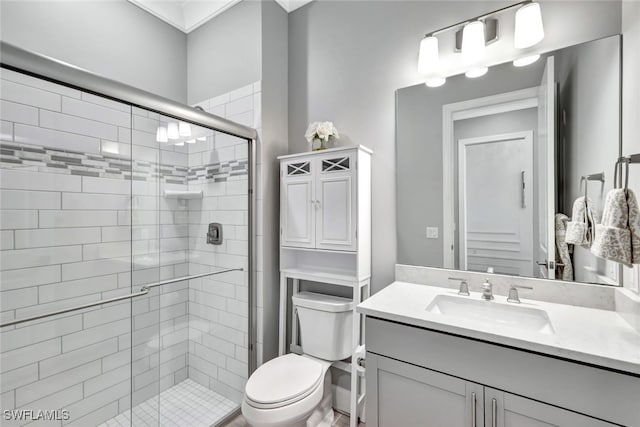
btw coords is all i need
(187, 404)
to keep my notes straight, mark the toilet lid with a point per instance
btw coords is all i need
(284, 380)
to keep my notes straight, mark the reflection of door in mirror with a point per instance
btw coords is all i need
(545, 257)
(495, 208)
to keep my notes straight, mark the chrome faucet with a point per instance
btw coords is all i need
(464, 286)
(513, 293)
(487, 290)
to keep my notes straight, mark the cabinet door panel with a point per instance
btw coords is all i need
(517, 411)
(406, 395)
(336, 194)
(298, 229)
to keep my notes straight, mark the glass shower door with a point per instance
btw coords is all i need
(65, 161)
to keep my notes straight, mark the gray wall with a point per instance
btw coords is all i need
(225, 53)
(112, 38)
(274, 142)
(419, 151)
(588, 130)
(346, 59)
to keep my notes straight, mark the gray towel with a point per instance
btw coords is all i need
(563, 252)
(618, 237)
(581, 228)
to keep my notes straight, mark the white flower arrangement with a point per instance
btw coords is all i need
(323, 132)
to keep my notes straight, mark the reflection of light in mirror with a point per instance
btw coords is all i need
(172, 131)
(476, 72)
(161, 134)
(527, 60)
(191, 141)
(201, 138)
(179, 143)
(529, 30)
(435, 81)
(184, 129)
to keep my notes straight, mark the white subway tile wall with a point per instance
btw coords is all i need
(83, 218)
(218, 305)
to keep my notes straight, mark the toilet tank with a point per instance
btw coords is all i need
(325, 325)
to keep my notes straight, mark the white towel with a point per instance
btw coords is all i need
(581, 228)
(563, 252)
(618, 237)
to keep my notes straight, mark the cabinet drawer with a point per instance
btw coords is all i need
(585, 389)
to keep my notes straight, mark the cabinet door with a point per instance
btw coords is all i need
(297, 204)
(400, 394)
(336, 207)
(508, 410)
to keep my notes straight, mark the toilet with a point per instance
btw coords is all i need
(293, 390)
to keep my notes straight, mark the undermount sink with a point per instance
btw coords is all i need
(492, 313)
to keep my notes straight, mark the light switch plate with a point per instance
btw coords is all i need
(432, 232)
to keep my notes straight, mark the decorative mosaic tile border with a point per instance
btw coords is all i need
(48, 159)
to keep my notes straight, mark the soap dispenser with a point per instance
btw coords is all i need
(487, 290)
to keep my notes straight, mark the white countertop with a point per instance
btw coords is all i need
(598, 337)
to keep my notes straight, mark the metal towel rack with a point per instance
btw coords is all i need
(143, 291)
(592, 177)
(627, 160)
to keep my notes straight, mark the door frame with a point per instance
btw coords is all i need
(526, 135)
(479, 107)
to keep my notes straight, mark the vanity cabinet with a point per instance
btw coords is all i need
(422, 377)
(319, 199)
(409, 395)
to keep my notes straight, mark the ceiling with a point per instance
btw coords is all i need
(187, 15)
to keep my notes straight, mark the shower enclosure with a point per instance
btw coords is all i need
(126, 259)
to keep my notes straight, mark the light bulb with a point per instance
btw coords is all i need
(529, 29)
(473, 44)
(184, 129)
(172, 131)
(161, 134)
(476, 72)
(527, 60)
(435, 81)
(428, 57)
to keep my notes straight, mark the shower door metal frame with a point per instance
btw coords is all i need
(56, 71)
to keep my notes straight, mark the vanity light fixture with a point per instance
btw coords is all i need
(529, 30)
(429, 62)
(184, 129)
(161, 134)
(472, 37)
(172, 130)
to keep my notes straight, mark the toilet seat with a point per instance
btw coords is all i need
(283, 381)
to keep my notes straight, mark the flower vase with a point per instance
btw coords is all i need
(318, 144)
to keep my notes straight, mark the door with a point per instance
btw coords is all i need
(495, 203)
(336, 211)
(401, 394)
(508, 410)
(546, 172)
(298, 204)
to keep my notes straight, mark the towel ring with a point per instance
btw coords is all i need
(620, 162)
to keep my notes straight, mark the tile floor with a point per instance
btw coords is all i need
(340, 420)
(187, 404)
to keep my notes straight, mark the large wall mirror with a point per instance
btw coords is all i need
(492, 170)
